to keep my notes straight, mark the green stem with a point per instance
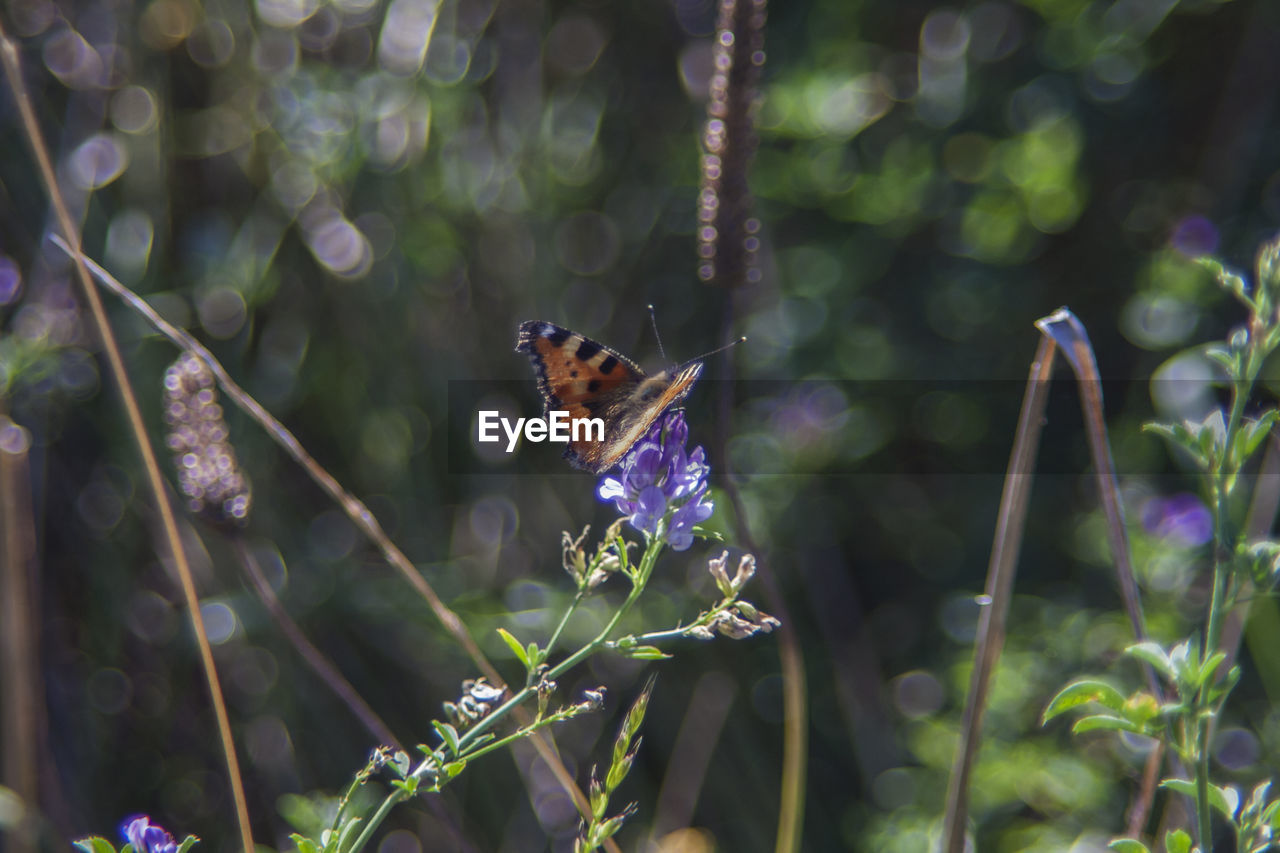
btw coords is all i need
(564, 620)
(641, 578)
(393, 799)
(1224, 548)
(1204, 817)
(638, 584)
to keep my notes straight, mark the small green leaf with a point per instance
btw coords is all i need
(347, 833)
(453, 768)
(96, 844)
(1251, 435)
(534, 655)
(645, 653)
(304, 844)
(409, 784)
(1218, 353)
(1080, 692)
(1107, 722)
(187, 843)
(1151, 652)
(1184, 436)
(1208, 668)
(1217, 796)
(1128, 845)
(448, 734)
(514, 645)
(1177, 841)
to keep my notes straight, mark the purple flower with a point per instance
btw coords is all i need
(659, 481)
(1181, 520)
(146, 838)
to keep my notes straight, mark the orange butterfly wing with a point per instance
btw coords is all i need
(589, 380)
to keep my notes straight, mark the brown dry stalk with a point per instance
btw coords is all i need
(115, 362)
(1010, 525)
(20, 645)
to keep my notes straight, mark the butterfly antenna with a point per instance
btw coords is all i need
(718, 350)
(653, 319)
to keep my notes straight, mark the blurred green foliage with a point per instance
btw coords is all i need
(355, 203)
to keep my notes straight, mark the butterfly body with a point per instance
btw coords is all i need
(589, 380)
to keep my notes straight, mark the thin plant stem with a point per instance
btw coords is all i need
(564, 620)
(115, 362)
(795, 701)
(312, 656)
(22, 682)
(1010, 526)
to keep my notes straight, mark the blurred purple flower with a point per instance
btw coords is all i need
(1194, 236)
(146, 838)
(658, 479)
(1181, 519)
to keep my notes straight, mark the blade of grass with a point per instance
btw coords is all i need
(115, 362)
(1010, 525)
(1073, 342)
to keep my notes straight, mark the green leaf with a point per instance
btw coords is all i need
(1128, 845)
(304, 844)
(1251, 435)
(1184, 436)
(706, 533)
(1152, 653)
(516, 648)
(1079, 693)
(1107, 722)
(96, 844)
(1217, 796)
(534, 655)
(1208, 668)
(1230, 361)
(409, 784)
(448, 734)
(453, 768)
(1177, 841)
(346, 833)
(645, 653)
(187, 843)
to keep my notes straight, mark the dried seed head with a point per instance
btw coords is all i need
(478, 698)
(208, 474)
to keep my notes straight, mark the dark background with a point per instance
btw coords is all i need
(354, 235)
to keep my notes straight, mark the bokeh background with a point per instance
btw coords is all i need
(354, 203)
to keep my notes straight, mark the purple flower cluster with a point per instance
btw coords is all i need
(146, 838)
(658, 480)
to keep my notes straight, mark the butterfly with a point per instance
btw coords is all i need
(590, 380)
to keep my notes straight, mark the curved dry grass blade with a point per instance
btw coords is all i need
(999, 590)
(115, 361)
(1070, 335)
(1073, 341)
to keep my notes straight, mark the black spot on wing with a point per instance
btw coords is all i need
(556, 335)
(593, 386)
(606, 366)
(587, 349)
